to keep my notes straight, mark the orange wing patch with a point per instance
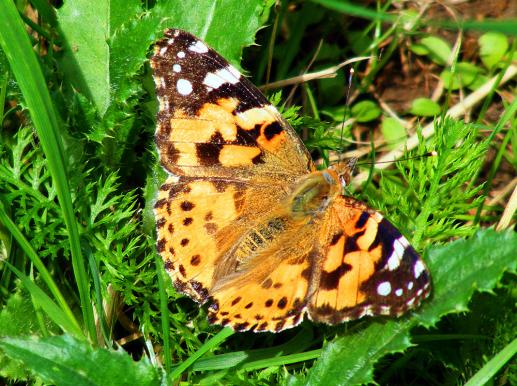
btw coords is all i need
(263, 301)
(189, 216)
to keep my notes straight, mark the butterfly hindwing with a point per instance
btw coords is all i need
(369, 268)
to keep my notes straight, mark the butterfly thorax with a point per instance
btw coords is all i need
(313, 193)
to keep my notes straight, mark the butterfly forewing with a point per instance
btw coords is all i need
(213, 122)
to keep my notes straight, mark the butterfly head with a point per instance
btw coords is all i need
(343, 170)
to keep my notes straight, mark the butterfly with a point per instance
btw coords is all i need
(247, 224)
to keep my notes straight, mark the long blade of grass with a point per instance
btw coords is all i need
(494, 365)
(17, 47)
(212, 343)
(44, 273)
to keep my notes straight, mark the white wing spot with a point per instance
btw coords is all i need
(176, 68)
(399, 246)
(410, 302)
(176, 33)
(170, 41)
(163, 50)
(410, 285)
(420, 291)
(234, 71)
(184, 87)
(198, 47)
(399, 292)
(222, 76)
(418, 269)
(181, 54)
(384, 288)
(212, 80)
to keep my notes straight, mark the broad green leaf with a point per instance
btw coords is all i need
(438, 49)
(424, 107)
(457, 270)
(365, 111)
(492, 46)
(478, 82)
(209, 22)
(467, 72)
(393, 131)
(463, 266)
(85, 29)
(62, 360)
(87, 57)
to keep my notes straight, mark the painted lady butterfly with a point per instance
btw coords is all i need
(247, 224)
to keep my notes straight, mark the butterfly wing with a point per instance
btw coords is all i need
(214, 122)
(367, 267)
(249, 262)
(234, 154)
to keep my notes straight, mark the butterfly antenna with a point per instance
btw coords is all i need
(420, 156)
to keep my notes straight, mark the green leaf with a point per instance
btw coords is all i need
(479, 81)
(457, 270)
(365, 111)
(463, 266)
(492, 47)
(438, 49)
(424, 107)
(86, 53)
(464, 76)
(488, 371)
(62, 360)
(209, 22)
(419, 49)
(359, 42)
(393, 131)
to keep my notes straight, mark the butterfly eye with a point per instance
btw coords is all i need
(343, 181)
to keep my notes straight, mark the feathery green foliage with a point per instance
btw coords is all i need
(84, 298)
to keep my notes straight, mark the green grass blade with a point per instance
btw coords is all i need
(355, 10)
(44, 274)
(17, 47)
(212, 343)
(494, 365)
